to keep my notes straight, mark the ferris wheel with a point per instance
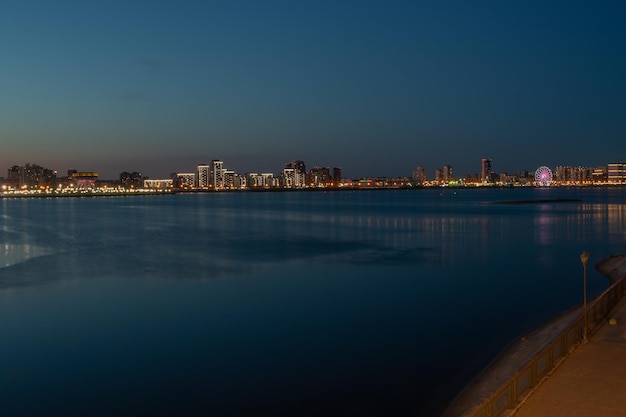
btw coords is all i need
(543, 176)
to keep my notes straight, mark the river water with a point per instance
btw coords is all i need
(364, 303)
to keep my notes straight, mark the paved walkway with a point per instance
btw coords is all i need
(591, 381)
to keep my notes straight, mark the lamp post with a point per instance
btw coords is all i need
(584, 257)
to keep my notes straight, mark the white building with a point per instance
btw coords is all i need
(229, 179)
(617, 172)
(289, 178)
(184, 179)
(217, 174)
(157, 184)
(202, 176)
(268, 180)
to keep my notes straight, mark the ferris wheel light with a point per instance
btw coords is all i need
(543, 176)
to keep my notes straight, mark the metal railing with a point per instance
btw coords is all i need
(515, 390)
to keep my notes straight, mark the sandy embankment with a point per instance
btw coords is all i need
(522, 350)
(613, 267)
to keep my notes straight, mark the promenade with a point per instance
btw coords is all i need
(591, 381)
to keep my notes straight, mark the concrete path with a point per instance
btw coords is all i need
(591, 381)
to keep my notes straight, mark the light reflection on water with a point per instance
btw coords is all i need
(11, 253)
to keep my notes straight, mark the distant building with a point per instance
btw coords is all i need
(336, 177)
(572, 175)
(319, 177)
(254, 180)
(202, 176)
(216, 175)
(158, 184)
(419, 175)
(439, 176)
(507, 179)
(486, 173)
(268, 180)
(184, 180)
(229, 180)
(131, 179)
(472, 179)
(84, 180)
(15, 176)
(238, 181)
(299, 166)
(616, 172)
(296, 173)
(600, 174)
(447, 173)
(288, 178)
(31, 176)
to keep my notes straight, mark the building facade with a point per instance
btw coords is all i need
(202, 176)
(616, 172)
(419, 175)
(217, 174)
(184, 180)
(485, 173)
(158, 184)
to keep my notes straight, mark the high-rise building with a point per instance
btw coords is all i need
(228, 179)
(184, 179)
(254, 180)
(447, 173)
(202, 176)
(299, 166)
(600, 174)
(336, 176)
(419, 175)
(217, 174)
(31, 176)
(617, 172)
(268, 179)
(289, 177)
(439, 175)
(49, 177)
(319, 177)
(572, 175)
(239, 181)
(299, 173)
(485, 173)
(131, 179)
(16, 176)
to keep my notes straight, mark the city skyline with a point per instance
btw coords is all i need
(444, 174)
(374, 88)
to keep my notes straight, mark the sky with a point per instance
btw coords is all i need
(374, 87)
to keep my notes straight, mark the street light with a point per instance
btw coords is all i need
(584, 257)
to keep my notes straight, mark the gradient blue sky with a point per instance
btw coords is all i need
(374, 87)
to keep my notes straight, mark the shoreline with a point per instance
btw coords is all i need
(519, 352)
(348, 188)
(613, 267)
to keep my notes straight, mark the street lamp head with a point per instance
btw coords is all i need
(584, 257)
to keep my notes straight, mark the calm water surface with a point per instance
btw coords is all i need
(369, 303)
